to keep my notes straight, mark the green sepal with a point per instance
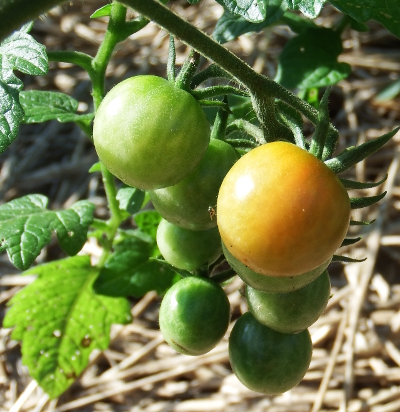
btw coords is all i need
(350, 241)
(215, 91)
(214, 103)
(322, 127)
(361, 223)
(184, 78)
(181, 272)
(351, 184)
(360, 202)
(242, 143)
(212, 71)
(352, 155)
(247, 127)
(346, 259)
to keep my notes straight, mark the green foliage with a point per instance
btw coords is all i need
(41, 106)
(130, 272)
(60, 320)
(26, 225)
(385, 12)
(318, 66)
(21, 52)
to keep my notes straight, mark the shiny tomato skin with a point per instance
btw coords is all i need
(188, 249)
(267, 361)
(290, 312)
(281, 211)
(191, 203)
(149, 133)
(194, 315)
(272, 284)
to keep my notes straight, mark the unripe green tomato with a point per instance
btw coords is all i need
(290, 312)
(267, 361)
(191, 202)
(149, 133)
(194, 315)
(188, 249)
(281, 211)
(272, 284)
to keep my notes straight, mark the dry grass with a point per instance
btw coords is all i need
(356, 359)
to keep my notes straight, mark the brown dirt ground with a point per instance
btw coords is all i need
(356, 359)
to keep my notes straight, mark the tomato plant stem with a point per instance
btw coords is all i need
(258, 84)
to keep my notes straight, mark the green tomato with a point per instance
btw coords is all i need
(267, 361)
(188, 249)
(191, 203)
(272, 284)
(149, 133)
(194, 315)
(290, 312)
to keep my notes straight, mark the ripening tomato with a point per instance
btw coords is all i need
(281, 211)
(149, 133)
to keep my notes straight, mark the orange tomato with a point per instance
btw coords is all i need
(281, 211)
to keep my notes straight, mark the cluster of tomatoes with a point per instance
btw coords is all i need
(281, 215)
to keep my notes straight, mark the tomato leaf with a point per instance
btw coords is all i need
(130, 272)
(360, 202)
(25, 53)
(148, 222)
(385, 12)
(254, 11)
(41, 106)
(310, 60)
(297, 23)
(60, 320)
(310, 8)
(26, 226)
(102, 12)
(230, 26)
(130, 199)
(11, 112)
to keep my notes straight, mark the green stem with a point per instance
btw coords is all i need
(220, 122)
(100, 61)
(264, 87)
(80, 59)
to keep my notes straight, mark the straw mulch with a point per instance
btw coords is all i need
(356, 359)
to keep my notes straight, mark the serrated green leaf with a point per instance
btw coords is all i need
(102, 12)
(27, 27)
(11, 112)
(310, 60)
(297, 23)
(41, 106)
(352, 155)
(230, 26)
(360, 202)
(61, 320)
(130, 272)
(148, 222)
(26, 226)
(385, 12)
(130, 199)
(25, 54)
(254, 11)
(310, 8)
(350, 184)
